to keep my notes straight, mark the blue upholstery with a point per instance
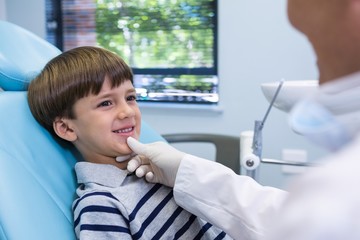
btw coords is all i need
(37, 180)
(22, 56)
(36, 176)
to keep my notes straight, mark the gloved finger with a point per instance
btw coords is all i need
(136, 146)
(142, 170)
(133, 164)
(150, 177)
(136, 162)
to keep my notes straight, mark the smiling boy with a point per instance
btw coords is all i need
(103, 123)
(86, 96)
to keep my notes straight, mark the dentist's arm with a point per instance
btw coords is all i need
(237, 204)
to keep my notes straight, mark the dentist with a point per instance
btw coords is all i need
(323, 203)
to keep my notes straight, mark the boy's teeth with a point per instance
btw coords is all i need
(124, 130)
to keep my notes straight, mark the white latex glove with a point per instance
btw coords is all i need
(158, 161)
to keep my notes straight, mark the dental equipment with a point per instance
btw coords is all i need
(251, 161)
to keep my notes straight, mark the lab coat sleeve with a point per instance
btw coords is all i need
(324, 202)
(236, 204)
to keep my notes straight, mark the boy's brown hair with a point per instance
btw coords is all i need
(71, 76)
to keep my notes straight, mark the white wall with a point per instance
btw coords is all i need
(29, 14)
(256, 44)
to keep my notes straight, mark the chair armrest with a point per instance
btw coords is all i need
(227, 147)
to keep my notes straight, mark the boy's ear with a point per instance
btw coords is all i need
(62, 129)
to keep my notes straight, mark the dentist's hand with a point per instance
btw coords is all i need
(158, 162)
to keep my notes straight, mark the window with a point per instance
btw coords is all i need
(171, 45)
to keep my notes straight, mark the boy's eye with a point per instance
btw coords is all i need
(131, 98)
(104, 104)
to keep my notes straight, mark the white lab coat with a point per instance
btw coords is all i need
(237, 204)
(323, 204)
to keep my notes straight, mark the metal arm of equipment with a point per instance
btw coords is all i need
(252, 161)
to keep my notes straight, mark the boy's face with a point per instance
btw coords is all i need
(103, 122)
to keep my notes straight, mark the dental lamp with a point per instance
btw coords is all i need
(282, 95)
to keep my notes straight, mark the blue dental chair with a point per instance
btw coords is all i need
(37, 180)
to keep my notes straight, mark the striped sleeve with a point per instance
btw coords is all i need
(97, 216)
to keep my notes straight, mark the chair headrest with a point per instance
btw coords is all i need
(22, 56)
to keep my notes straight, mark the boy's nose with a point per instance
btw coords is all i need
(125, 111)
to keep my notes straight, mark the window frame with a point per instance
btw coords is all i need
(56, 25)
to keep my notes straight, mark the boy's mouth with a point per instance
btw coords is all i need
(124, 130)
